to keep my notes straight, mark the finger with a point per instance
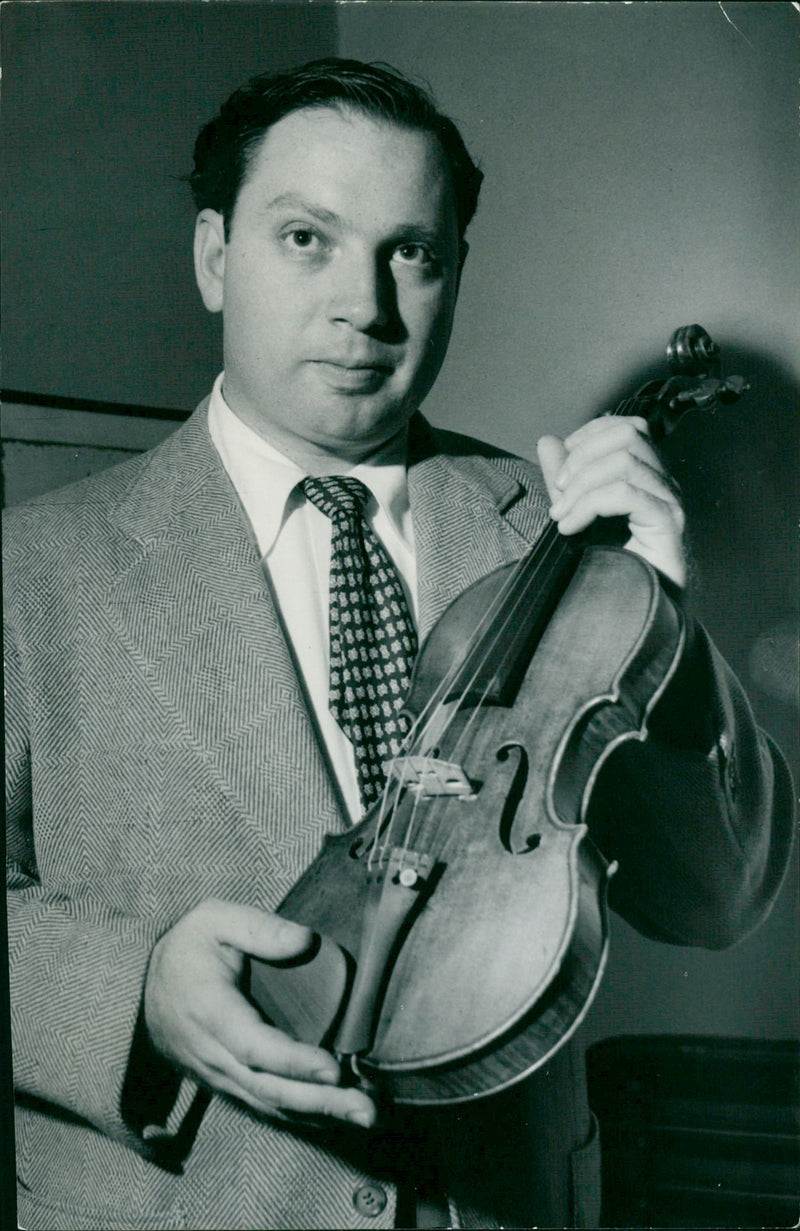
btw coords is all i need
(253, 931)
(215, 1064)
(642, 508)
(656, 526)
(611, 436)
(552, 456)
(611, 468)
(305, 1098)
(604, 424)
(270, 1094)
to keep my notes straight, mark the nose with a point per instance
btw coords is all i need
(362, 292)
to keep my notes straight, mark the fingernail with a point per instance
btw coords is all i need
(364, 1118)
(561, 478)
(557, 507)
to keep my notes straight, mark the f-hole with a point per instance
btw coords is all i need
(516, 755)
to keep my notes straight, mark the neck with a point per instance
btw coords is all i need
(321, 461)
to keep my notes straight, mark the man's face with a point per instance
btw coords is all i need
(338, 282)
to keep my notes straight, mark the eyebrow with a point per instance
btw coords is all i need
(411, 232)
(296, 202)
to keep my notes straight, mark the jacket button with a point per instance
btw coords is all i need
(370, 1199)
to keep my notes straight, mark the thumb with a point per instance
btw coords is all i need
(257, 932)
(552, 456)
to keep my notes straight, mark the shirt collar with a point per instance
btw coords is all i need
(265, 478)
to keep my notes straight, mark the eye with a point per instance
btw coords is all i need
(302, 239)
(414, 254)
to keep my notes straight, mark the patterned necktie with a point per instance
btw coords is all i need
(372, 636)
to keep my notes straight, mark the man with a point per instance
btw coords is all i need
(174, 758)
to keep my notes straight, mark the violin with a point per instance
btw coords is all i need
(461, 927)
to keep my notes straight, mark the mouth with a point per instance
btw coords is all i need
(347, 376)
(371, 363)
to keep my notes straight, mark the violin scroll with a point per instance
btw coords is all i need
(692, 352)
(696, 381)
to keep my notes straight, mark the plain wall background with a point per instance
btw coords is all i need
(640, 175)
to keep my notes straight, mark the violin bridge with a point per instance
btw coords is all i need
(428, 776)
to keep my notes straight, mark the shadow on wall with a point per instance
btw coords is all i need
(737, 470)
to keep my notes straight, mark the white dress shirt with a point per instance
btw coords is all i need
(294, 538)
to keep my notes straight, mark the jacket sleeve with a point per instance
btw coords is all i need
(700, 815)
(76, 970)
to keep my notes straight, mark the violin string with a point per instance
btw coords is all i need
(554, 547)
(546, 547)
(445, 686)
(548, 551)
(423, 720)
(551, 541)
(431, 710)
(379, 825)
(478, 637)
(551, 561)
(417, 799)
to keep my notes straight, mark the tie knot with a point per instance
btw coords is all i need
(336, 495)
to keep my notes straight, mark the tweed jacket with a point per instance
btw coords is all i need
(160, 752)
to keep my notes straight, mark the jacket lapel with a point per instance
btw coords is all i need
(458, 499)
(193, 606)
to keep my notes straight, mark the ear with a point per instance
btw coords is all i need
(463, 249)
(209, 257)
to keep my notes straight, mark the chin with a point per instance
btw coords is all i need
(372, 426)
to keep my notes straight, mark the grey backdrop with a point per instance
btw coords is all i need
(640, 174)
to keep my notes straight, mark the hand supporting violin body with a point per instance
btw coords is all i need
(610, 468)
(197, 1018)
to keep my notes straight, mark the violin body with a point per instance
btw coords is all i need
(509, 897)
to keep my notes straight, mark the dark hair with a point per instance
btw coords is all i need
(226, 144)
